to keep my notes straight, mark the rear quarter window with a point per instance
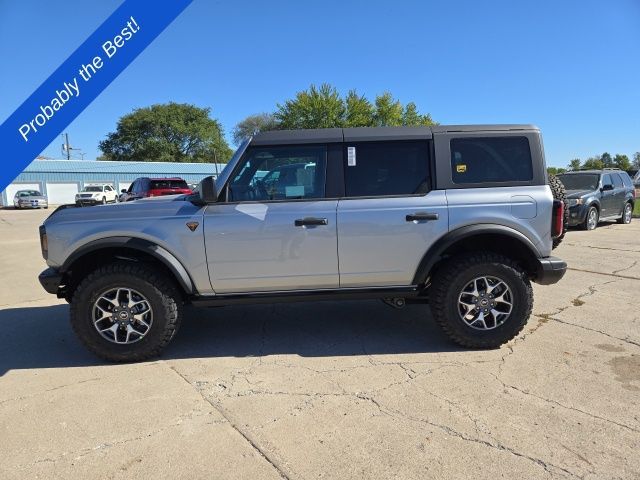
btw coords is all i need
(490, 160)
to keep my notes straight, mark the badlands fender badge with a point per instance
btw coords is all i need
(192, 226)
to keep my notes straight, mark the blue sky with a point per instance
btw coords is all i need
(572, 67)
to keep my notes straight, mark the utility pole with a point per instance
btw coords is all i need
(67, 148)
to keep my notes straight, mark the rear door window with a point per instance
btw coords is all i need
(617, 181)
(606, 180)
(490, 159)
(378, 169)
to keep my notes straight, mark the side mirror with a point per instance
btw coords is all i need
(207, 190)
(606, 187)
(124, 190)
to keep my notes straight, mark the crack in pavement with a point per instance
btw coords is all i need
(603, 248)
(625, 340)
(396, 414)
(24, 397)
(627, 277)
(567, 407)
(87, 451)
(635, 262)
(246, 435)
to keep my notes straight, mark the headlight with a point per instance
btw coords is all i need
(575, 201)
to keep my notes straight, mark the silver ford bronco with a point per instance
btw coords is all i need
(461, 218)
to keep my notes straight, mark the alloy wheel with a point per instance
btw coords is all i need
(485, 303)
(122, 315)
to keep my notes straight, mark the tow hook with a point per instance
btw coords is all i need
(395, 302)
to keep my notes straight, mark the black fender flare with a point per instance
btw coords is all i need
(434, 253)
(141, 245)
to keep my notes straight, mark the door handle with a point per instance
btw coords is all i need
(418, 216)
(310, 221)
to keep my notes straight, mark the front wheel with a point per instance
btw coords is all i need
(627, 213)
(481, 300)
(126, 312)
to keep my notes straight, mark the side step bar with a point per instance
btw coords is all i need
(304, 296)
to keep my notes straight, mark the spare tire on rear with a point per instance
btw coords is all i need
(559, 193)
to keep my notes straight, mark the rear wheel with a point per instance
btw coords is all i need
(126, 312)
(627, 213)
(481, 300)
(591, 220)
(559, 193)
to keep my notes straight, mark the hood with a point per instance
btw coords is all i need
(33, 197)
(579, 193)
(147, 208)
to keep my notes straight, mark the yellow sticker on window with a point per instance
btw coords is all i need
(461, 168)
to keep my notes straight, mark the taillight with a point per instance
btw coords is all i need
(557, 218)
(44, 244)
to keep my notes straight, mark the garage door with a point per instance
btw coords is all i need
(14, 187)
(61, 193)
(123, 186)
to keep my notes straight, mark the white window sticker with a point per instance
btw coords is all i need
(294, 191)
(351, 156)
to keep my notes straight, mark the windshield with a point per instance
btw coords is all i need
(92, 189)
(582, 181)
(226, 171)
(29, 193)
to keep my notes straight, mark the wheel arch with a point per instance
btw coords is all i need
(99, 252)
(485, 237)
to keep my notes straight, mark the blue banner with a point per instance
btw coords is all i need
(80, 79)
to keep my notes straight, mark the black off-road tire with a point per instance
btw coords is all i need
(160, 291)
(559, 193)
(451, 279)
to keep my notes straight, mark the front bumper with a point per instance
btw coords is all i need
(550, 270)
(87, 201)
(577, 214)
(33, 205)
(51, 280)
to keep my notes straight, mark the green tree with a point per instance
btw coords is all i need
(388, 111)
(607, 161)
(260, 122)
(556, 170)
(314, 108)
(594, 163)
(359, 111)
(171, 132)
(622, 162)
(574, 164)
(323, 107)
(636, 161)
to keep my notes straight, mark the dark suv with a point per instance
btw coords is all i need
(155, 187)
(595, 195)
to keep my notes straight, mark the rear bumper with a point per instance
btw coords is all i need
(50, 279)
(550, 270)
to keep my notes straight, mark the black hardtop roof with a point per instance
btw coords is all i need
(364, 134)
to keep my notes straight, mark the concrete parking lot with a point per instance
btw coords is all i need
(330, 390)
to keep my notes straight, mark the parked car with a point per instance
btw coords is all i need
(96, 194)
(29, 199)
(458, 217)
(596, 195)
(154, 187)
